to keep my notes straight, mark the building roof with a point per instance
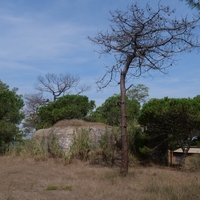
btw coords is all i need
(191, 150)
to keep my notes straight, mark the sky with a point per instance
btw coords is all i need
(50, 36)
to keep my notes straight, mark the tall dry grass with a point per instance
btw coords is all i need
(58, 176)
(82, 148)
(23, 178)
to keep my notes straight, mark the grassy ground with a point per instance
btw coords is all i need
(24, 179)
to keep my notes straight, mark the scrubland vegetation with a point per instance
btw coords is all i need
(40, 169)
(39, 175)
(30, 171)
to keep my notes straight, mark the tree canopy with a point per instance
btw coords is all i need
(10, 113)
(66, 107)
(56, 85)
(175, 119)
(109, 111)
(138, 92)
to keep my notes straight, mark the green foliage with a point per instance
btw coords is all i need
(136, 139)
(54, 149)
(138, 93)
(109, 112)
(10, 114)
(81, 145)
(52, 187)
(169, 120)
(108, 145)
(29, 148)
(144, 150)
(38, 148)
(66, 107)
(132, 110)
(3, 86)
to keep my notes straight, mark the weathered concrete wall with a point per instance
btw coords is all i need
(65, 134)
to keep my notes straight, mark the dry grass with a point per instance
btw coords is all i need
(28, 179)
(78, 123)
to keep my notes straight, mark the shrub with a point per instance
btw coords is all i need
(81, 145)
(39, 149)
(108, 146)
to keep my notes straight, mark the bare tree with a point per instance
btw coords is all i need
(32, 102)
(57, 85)
(142, 40)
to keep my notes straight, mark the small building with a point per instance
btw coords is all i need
(174, 157)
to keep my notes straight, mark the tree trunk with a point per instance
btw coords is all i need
(124, 162)
(182, 160)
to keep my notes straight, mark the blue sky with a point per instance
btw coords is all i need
(50, 36)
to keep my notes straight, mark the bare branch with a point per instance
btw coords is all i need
(33, 102)
(142, 40)
(153, 35)
(83, 88)
(57, 85)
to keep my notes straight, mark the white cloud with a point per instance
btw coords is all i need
(29, 39)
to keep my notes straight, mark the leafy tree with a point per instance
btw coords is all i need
(10, 114)
(172, 119)
(109, 111)
(138, 92)
(3, 86)
(66, 107)
(57, 85)
(141, 40)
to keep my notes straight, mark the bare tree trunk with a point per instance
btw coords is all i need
(182, 160)
(124, 162)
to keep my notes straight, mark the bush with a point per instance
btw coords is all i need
(82, 148)
(39, 149)
(107, 144)
(81, 145)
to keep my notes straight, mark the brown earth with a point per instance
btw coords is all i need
(26, 179)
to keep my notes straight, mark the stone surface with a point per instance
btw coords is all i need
(66, 130)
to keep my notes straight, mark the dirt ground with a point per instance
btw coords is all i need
(27, 179)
